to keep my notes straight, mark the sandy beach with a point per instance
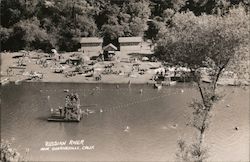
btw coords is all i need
(125, 68)
(122, 69)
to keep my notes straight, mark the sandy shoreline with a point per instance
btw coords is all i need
(90, 82)
(123, 72)
(126, 72)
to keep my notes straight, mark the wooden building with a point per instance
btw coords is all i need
(91, 44)
(130, 44)
(109, 51)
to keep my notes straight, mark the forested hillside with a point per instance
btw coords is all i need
(46, 24)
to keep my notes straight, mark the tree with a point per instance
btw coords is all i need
(139, 13)
(137, 27)
(9, 153)
(111, 28)
(16, 10)
(210, 42)
(108, 15)
(56, 24)
(168, 14)
(27, 34)
(111, 33)
(161, 5)
(5, 34)
(154, 28)
(76, 21)
(128, 20)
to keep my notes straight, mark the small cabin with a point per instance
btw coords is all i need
(91, 44)
(130, 43)
(109, 51)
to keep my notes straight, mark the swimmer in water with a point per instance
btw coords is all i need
(66, 90)
(127, 129)
(129, 82)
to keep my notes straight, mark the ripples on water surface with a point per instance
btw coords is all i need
(156, 119)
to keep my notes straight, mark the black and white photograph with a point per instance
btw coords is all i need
(125, 81)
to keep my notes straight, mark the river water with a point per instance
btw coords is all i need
(126, 126)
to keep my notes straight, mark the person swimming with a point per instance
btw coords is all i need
(66, 90)
(129, 82)
(127, 129)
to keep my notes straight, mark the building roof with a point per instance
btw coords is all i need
(130, 39)
(110, 47)
(91, 40)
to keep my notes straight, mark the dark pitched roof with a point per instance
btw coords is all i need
(110, 45)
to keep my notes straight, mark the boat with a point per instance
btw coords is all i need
(172, 83)
(61, 119)
(18, 82)
(5, 81)
(206, 80)
(71, 111)
(89, 75)
(58, 70)
(66, 90)
(169, 83)
(35, 75)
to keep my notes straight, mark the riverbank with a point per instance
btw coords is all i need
(116, 71)
(126, 68)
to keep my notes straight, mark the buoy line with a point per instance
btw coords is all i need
(107, 109)
(133, 103)
(95, 89)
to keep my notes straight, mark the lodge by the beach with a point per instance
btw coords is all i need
(95, 44)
